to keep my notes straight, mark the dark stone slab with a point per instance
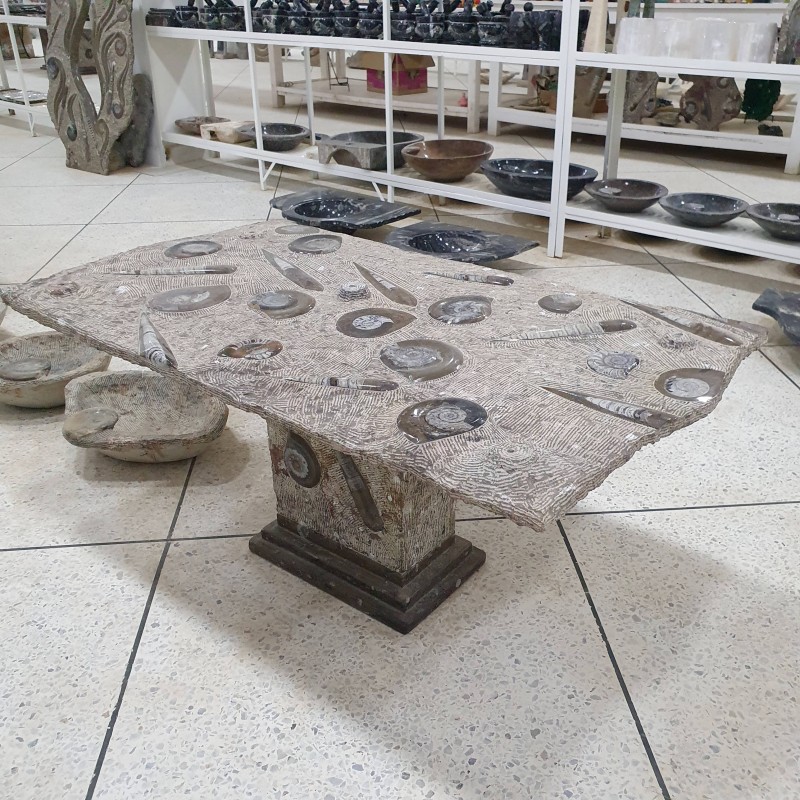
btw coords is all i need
(783, 307)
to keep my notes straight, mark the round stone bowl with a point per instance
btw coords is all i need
(703, 210)
(34, 369)
(277, 136)
(779, 220)
(141, 416)
(447, 160)
(191, 125)
(626, 196)
(533, 179)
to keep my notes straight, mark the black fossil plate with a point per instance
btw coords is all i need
(458, 243)
(344, 212)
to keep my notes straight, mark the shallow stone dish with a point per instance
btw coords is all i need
(626, 196)
(703, 210)
(141, 416)
(447, 160)
(34, 369)
(533, 178)
(364, 149)
(277, 136)
(457, 243)
(191, 125)
(779, 220)
(343, 212)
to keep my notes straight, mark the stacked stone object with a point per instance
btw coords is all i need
(382, 411)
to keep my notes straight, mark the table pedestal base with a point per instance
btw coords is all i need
(401, 602)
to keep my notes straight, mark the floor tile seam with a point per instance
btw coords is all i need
(597, 266)
(670, 509)
(122, 542)
(726, 183)
(137, 639)
(232, 80)
(780, 369)
(686, 286)
(14, 160)
(615, 665)
(60, 250)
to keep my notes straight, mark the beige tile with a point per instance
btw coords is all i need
(62, 494)
(231, 486)
(27, 248)
(17, 142)
(701, 610)
(15, 324)
(744, 452)
(787, 359)
(251, 682)
(6, 162)
(678, 181)
(46, 172)
(73, 205)
(197, 170)
(765, 184)
(53, 149)
(69, 623)
(175, 202)
(100, 240)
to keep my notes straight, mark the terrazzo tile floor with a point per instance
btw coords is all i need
(647, 646)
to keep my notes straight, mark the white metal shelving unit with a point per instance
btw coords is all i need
(32, 110)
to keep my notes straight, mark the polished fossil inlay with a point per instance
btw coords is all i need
(317, 244)
(362, 497)
(368, 323)
(200, 269)
(90, 420)
(613, 365)
(568, 331)
(696, 327)
(441, 418)
(353, 290)
(301, 462)
(295, 230)
(189, 298)
(284, 304)
(293, 272)
(462, 310)
(495, 280)
(701, 385)
(650, 417)
(345, 382)
(422, 359)
(152, 346)
(395, 293)
(252, 349)
(25, 369)
(561, 302)
(193, 248)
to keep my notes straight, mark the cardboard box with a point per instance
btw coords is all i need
(409, 73)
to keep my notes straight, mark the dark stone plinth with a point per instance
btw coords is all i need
(401, 602)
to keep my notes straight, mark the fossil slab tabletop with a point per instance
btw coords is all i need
(552, 388)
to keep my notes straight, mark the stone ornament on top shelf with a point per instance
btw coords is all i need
(710, 101)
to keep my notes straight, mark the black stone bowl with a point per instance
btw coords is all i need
(779, 220)
(533, 179)
(463, 28)
(703, 210)
(493, 32)
(370, 25)
(277, 136)
(626, 196)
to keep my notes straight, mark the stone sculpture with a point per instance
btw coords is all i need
(116, 135)
(710, 101)
(397, 385)
(640, 96)
(789, 37)
(783, 307)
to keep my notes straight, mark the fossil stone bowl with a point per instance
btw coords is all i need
(277, 136)
(533, 178)
(779, 220)
(703, 210)
(34, 369)
(447, 160)
(626, 196)
(364, 149)
(141, 416)
(191, 125)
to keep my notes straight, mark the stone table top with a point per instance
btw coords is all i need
(514, 393)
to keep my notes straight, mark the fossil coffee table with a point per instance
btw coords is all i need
(393, 384)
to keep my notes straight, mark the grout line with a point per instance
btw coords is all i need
(779, 368)
(639, 727)
(137, 640)
(71, 239)
(682, 508)
(477, 519)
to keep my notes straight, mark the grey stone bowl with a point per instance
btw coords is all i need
(779, 220)
(142, 416)
(626, 196)
(61, 359)
(364, 149)
(277, 136)
(532, 178)
(703, 210)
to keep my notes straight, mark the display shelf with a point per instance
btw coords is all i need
(39, 109)
(475, 190)
(741, 235)
(31, 22)
(423, 103)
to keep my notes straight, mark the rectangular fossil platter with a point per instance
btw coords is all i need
(519, 395)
